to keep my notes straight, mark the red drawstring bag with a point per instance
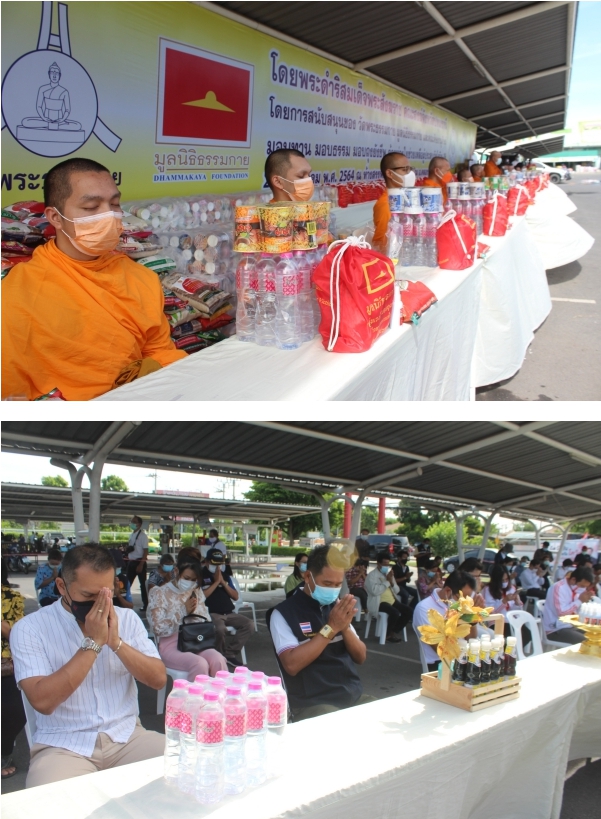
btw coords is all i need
(494, 216)
(415, 300)
(456, 241)
(518, 200)
(355, 292)
(532, 187)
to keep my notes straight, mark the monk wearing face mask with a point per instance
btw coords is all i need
(288, 174)
(397, 173)
(491, 166)
(81, 317)
(439, 173)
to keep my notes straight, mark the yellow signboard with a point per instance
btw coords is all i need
(175, 99)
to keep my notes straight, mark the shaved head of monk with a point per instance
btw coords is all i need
(74, 189)
(282, 167)
(393, 166)
(438, 167)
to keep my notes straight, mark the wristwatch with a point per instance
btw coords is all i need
(327, 632)
(88, 643)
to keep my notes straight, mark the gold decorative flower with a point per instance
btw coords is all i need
(467, 611)
(443, 633)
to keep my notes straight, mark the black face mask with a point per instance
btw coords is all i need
(80, 609)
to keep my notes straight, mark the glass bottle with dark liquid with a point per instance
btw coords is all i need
(496, 658)
(510, 658)
(485, 663)
(460, 664)
(472, 669)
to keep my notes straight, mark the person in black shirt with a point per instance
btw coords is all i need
(402, 574)
(362, 545)
(220, 595)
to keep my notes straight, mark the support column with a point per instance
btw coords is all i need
(485, 535)
(356, 517)
(77, 475)
(348, 514)
(564, 538)
(459, 536)
(382, 516)
(325, 518)
(271, 538)
(193, 531)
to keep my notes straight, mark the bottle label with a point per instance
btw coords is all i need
(235, 725)
(275, 713)
(185, 723)
(172, 718)
(210, 732)
(256, 718)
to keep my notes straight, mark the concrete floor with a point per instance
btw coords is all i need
(563, 362)
(389, 670)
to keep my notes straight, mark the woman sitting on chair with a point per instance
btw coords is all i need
(501, 595)
(298, 574)
(167, 606)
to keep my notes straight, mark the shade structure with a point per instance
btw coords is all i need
(504, 66)
(544, 469)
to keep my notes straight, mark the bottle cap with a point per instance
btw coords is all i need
(218, 682)
(257, 675)
(278, 680)
(222, 675)
(241, 669)
(211, 696)
(233, 691)
(180, 683)
(195, 689)
(511, 641)
(201, 678)
(255, 686)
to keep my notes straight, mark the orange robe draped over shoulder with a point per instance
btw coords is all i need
(492, 169)
(435, 183)
(76, 325)
(381, 219)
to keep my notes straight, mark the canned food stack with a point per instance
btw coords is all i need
(417, 211)
(477, 202)
(281, 244)
(170, 213)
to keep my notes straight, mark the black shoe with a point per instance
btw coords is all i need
(394, 639)
(143, 608)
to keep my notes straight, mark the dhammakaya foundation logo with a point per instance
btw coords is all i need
(49, 101)
(378, 275)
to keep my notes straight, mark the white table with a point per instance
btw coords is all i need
(402, 756)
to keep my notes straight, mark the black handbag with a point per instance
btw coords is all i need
(196, 636)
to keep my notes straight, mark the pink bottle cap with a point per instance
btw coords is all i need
(195, 689)
(218, 682)
(257, 675)
(241, 669)
(211, 696)
(222, 675)
(233, 691)
(274, 680)
(255, 686)
(201, 678)
(180, 683)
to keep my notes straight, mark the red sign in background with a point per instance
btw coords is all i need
(221, 93)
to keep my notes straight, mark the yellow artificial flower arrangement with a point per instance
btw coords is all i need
(444, 632)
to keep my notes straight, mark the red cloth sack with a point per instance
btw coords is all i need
(518, 200)
(415, 300)
(494, 216)
(355, 292)
(456, 241)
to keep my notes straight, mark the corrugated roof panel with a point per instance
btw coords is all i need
(585, 435)
(535, 90)
(363, 29)
(539, 109)
(437, 72)
(494, 121)
(464, 14)
(540, 42)
(450, 482)
(489, 100)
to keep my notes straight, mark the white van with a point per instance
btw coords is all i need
(556, 175)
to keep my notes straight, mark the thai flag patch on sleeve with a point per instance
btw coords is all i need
(305, 628)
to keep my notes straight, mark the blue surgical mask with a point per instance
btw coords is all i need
(430, 574)
(545, 563)
(64, 549)
(385, 570)
(324, 595)
(133, 526)
(117, 571)
(167, 567)
(302, 567)
(186, 585)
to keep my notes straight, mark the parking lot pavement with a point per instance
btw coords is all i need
(563, 363)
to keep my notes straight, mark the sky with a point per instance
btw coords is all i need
(585, 85)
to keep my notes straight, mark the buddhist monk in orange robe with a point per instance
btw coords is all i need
(439, 173)
(397, 173)
(288, 174)
(81, 316)
(491, 167)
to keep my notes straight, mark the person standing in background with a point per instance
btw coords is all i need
(491, 166)
(13, 714)
(138, 556)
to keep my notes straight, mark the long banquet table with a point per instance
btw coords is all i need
(402, 756)
(477, 334)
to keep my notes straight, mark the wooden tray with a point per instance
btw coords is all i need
(471, 699)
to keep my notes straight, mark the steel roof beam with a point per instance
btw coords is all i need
(476, 28)
(543, 439)
(503, 84)
(523, 105)
(581, 485)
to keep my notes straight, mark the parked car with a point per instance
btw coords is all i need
(392, 544)
(487, 563)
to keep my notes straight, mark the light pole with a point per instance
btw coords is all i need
(155, 476)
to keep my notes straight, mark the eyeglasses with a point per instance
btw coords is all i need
(405, 168)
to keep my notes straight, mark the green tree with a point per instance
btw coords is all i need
(593, 527)
(443, 537)
(263, 492)
(369, 518)
(414, 521)
(115, 483)
(523, 526)
(336, 515)
(54, 480)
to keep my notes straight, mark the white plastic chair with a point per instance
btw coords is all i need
(232, 631)
(422, 653)
(358, 609)
(550, 644)
(381, 626)
(516, 620)
(31, 723)
(171, 672)
(243, 604)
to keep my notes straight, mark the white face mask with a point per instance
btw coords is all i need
(186, 585)
(406, 181)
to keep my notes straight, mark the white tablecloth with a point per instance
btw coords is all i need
(560, 240)
(402, 756)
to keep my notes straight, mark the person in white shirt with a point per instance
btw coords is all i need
(532, 580)
(138, 555)
(501, 595)
(212, 542)
(456, 582)
(77, 662)
(381, 588)
(563, 598)
(565, 568)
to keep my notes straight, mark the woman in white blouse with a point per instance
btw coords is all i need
(167, 606)
(501, 595)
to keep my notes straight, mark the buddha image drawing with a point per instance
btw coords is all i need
(53, 106)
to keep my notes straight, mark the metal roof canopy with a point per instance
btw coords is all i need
(504, 66)
(540, 469)
(29, 502)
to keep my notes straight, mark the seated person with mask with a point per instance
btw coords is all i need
(45, 578)
(288, 174)
(563, 598)
(397, 173)
(439, 173)
(163, 573)
(381, 589)
(532, 580)
(317, 647)
(212, 542)
(456, 582)
(402, 574)
(77, 663)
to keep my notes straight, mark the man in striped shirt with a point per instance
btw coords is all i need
(563, 598)
(77, 661)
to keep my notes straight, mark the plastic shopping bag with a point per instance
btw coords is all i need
(415, 300)
(355, 292)
(456, 241)
(518, 200)
(494, 216)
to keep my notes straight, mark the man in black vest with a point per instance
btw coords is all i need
(317, 646)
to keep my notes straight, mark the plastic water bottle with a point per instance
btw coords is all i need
(288, 334)
(477, 205)
(256, 735)
(259, 677)
(408, 240)
(277, 717)
(467, 209)
(246, 288)
(431, 250)
(235, 740)
(419, 239)
(240, 681)
(210, 729)
(202, 679)
(218, 686)
(223, 675)
(305, 295)
(187, 732)
(175, 702)
(266, 307)
(242, 669)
